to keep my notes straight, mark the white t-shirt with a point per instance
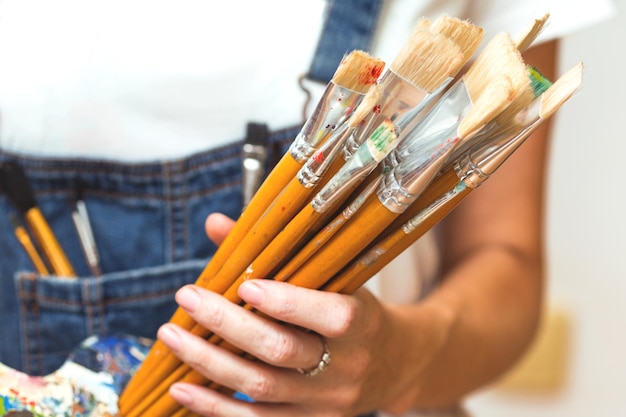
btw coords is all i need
(139, 80)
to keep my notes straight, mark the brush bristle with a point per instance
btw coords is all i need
(357, 71)
(538, 82)
(464, 33)
(537, 86)
(15, 184)
(561, 90)
(494, 81)
(367, 105)
(427, 59)
(526, 39)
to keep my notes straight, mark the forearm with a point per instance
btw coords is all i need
(480, 320)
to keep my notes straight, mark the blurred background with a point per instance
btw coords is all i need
(577, 367)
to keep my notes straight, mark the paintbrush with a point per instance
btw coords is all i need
(537, 86)
(352, 79)
(17, 186)
(459, 115)
(472, 169)
(24, 238)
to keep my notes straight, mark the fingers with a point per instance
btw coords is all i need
(254, 378)
(217, 227)
(267, 340)
(328, 314)
(210, 403)
(271, 378)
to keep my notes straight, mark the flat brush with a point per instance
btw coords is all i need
(17, 186)
(352, 79)
(446, 192)
(537, 85)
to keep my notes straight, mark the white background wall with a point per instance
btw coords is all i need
(587, 235)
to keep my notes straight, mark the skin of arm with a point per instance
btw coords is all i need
(464, 335)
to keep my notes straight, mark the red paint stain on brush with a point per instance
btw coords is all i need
(370, 74)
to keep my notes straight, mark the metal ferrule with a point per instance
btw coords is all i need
(403, 184)
(410, 226)
(253, 162)
(411, 118)
(333, 109)
(398, 97)
(313, 169)
(362, 163)
(482, 160)
(443, 118)
(358, 202)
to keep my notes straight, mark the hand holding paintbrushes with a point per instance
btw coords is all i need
(496, 80)
(428, 61)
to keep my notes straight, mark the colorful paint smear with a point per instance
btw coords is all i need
(87, 385)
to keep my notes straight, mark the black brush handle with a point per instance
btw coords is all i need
(15, 183)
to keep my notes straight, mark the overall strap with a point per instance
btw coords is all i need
(349, 25)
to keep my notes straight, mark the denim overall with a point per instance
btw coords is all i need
(148, 222)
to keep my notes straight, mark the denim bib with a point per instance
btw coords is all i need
(148, 222)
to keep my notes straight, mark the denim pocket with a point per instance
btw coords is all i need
(56, 314)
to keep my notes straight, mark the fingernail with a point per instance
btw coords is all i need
(181, 395)
(188, 298)
(168, 335)
(252, 293)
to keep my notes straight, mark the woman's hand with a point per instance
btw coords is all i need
(356, 330)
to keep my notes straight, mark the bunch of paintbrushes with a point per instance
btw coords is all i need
(382, 159)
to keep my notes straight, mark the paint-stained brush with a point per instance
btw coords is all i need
(537, 85)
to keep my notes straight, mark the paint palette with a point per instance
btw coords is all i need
(87, 385)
